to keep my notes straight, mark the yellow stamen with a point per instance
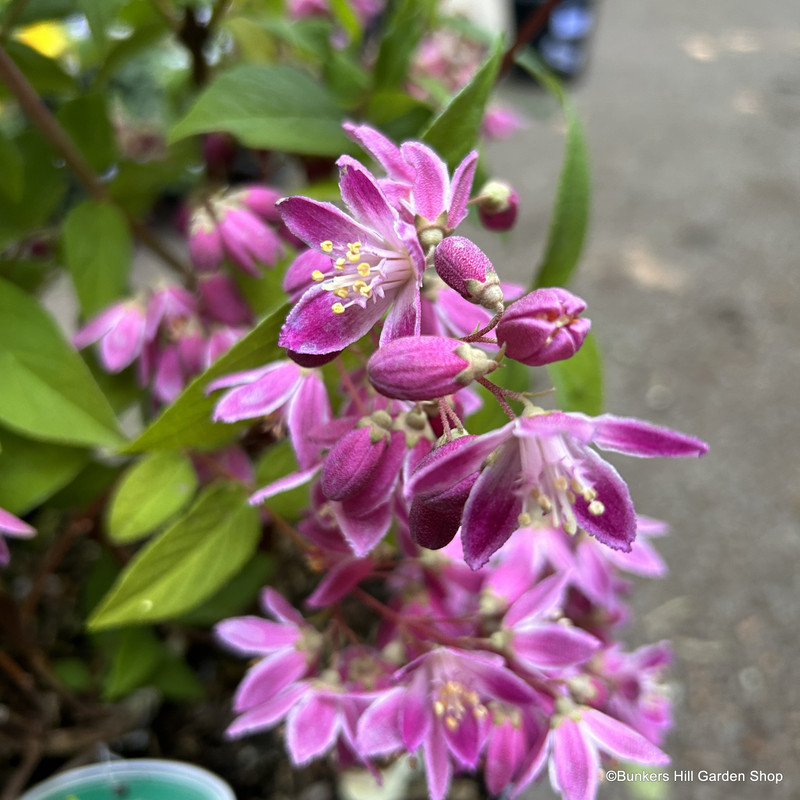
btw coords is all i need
(337, 308)
(596, 508)
(341, 292)
(317, 276)
(363, 269)
(353, 257)
(326, 246)
(340, 263)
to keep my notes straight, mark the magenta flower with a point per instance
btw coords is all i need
(298, 394)
(286, 649)
(442, 708)
(577, 737)
(462, 265)
(498, 205)
(376, 265)
(543, 326)
(120, 329)
(541, 470)
(12, 526)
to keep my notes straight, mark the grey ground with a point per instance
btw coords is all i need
(692, 113)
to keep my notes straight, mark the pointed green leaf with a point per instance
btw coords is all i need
(149, 493)
(136, 656)
(579, 380)
(86, 120)
(97, 251)
(187, 422)
(407, 24)
(47, 391)
(272, 107)
(455, 131)
(31, 471)
(570, 219)
(186, 563)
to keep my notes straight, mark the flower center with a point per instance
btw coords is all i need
(357, 276)
(453, 701)
(552, 481)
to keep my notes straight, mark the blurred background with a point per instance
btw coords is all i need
(692, 116)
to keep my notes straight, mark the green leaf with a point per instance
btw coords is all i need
(74, 673)
(186, 563)
(136, 657)
(187, 422)
(347, 19)
(237, 594)
(98, 251)
(100, 14)
(579, 380)
(12, 169)
(86, 120)
(455, 131)
(271, 107)
(176, 681)
(47, 391)
(409, 21)
(120, 52)
(570, 219)
(44, 74)
(150, 492)
(31, 471)
(27, 273)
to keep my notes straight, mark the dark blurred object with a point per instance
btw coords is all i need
(563, 42)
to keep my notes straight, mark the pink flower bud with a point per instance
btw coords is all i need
(463, 266)
(222, 300)
(260, 200)
(352, 461)
(426, 367)
(498, 206)
(543, 327)
(248, 240)
(205, 242)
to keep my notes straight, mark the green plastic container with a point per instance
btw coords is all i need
(134, 779)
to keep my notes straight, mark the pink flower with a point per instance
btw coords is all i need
(542, 470)
(12, 526)
(441, 707)
(298, 394)
(120, 329)
(462, 265)
(375, 266)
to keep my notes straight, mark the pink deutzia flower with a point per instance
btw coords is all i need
(298, 394)
(441, 707)
(12, 526)
(232, 225)
(287, 650)
(578, 735)
(376, 265)
(541, 469)
(120, 329)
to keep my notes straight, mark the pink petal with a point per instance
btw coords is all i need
(541, 601)
(313, 328)
(405, 315)
(340, 580)
(312, 728)
(384, 151)
(554, 645)
(268, 677)
(574, 764)
(431, 184)
(438, 769)
(504, 756)
(13, 526)
(364, 533)
(492, 512)
(613, 737)
(123, 343)
(260, 397)
(364, 198)
(253, 636)
(637, 438)
(315, 222)
(290, 481)
(267, 714)
(308, 409)
(378, 729)
(276, 604)
(415, 717)
(460, 189)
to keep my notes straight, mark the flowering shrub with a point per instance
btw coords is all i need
(334, 400)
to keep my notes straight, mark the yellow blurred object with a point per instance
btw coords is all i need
(49, 38)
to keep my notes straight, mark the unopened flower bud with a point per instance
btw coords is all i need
(498, 205)
(222, 300)
(543, 327)
(426, 367)
(463, 266)
(350, 464)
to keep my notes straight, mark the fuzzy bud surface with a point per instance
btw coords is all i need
(426, 367)
(463, 266)
(543, 326)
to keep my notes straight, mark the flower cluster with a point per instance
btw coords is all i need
(500, 593)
